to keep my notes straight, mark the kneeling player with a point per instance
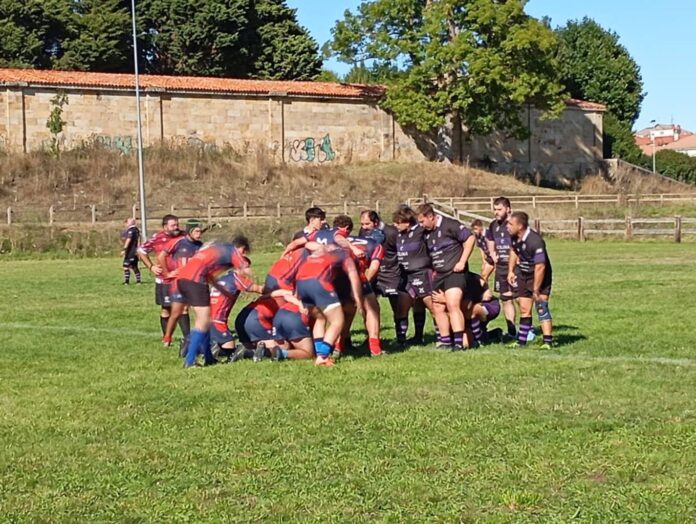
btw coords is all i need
(531, 274)
(254, 326)
(293, 326)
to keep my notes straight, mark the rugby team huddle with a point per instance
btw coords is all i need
(327, 276)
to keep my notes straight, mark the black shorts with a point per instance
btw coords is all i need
(501, 284)
(445, 281)
(130, 261)
(162, 297)
(343, 289)
(389, 286)
(194, 293)
(525, 285)
(419, 284)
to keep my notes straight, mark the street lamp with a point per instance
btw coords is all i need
(141, 169)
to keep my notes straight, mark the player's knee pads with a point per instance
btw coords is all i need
(542, 307)
(506, 298)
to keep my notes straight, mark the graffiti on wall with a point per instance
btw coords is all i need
(123, 144)
(311, 149)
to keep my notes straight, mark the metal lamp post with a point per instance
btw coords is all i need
(141, 169)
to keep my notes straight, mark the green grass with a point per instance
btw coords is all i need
(99, 423)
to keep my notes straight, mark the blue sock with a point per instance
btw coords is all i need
(207, 353)
(284, 355)
(323, 349)
(194, 346)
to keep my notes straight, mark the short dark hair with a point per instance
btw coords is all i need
(521, 217)
(403, 215)
(240, 241)
(372, 215)
(343, 221)
(425, 209)
(502, 201)
(477, 223)
(167, 218)
(314, 212)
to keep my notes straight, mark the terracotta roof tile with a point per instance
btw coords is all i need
(210, 85)
(187, 83)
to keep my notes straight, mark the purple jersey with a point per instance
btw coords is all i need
(411, 250)
(444, 243)
(498, 233)
(530, 251)
(483, 246)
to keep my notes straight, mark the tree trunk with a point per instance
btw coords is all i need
(457, 140)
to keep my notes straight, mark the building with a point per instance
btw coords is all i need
(663, 136)
(303, 122)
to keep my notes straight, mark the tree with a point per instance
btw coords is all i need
(595, 66)
(31, 32)
(286, 50)
(478, 62)
(98, 37)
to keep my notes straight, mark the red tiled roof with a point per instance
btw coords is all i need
(688, 142)
(209, 85)
(188, 83)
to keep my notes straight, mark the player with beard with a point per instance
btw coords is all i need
(498, 239)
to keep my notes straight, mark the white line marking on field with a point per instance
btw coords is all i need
(78, 329)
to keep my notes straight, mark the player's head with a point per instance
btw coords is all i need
(194, 229)
(170, 224)
(426, 216)
(404, 217)
(315, 217)
(130, 222)
(477, 227)
(344, 224)
(369, 220)
(517, 223)
(242, 244)
(501, 208)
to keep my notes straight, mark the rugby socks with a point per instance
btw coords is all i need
(445, 340)
(163, 324)
(197, 340)
(525, 327)
(207, 352)
(323, 349)
(512, 330)
(401, 326)
(185, 324)
(282, 353)
(126, 276)
(375, 346)
(340, 346)
(548, 339)
(476, 329)
(458, 339)
(138, 279)
(418, 324)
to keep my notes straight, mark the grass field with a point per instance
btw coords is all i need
(99, 423)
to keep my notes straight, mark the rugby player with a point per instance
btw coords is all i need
(193, 279)
(315, 284)
(293, 325)
(530, 273)
(417, 276)
(173, 256)
(316, 220)
(487, 262)
(170, 228)
(131, 239)
(498, 239)
(450, 244)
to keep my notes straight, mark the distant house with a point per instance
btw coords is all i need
(664, 136)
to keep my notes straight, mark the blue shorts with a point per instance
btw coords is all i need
(289, 326)
(248, 327)
(312, 293)
(270, 284)
(343, 289)
(220, 333)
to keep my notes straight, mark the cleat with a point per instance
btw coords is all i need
(276, 355)
(415, 341)
(216, 349)
(442, 345)
(546, 347)
(259, 352)
(324, 362)
(495, 336)
(381, 353)
(458, 347)
(211, 363)
(337, 354)
(183, 347)
(237, 355)
(513, 345)
(531, 335)
(166, 341)
(507, 337)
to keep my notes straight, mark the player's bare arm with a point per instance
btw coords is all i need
(468, 248)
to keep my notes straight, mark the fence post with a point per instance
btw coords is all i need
(629, 228)
(278, 209)
(451, 204)
(662, 199)
(9, 216)
(135, 210)
(577, 202)
(245, 210)
(345, 207)
(581, 229)
(618, 199)
(533, 202)
(210, 213)
(377, 206)
(492, 204)
(677, 229)
(171, 208)
(94, 214)
(50, 216)
(537, 225)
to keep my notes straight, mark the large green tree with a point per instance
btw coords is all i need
(477, 61)
(596, 66)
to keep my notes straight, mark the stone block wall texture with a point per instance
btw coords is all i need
(291, 129)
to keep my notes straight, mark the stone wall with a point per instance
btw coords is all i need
(291, 129)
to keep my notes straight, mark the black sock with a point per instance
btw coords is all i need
(185, 324)
(163, 324)
(512, 330)
(458, 338)
(419, 324)
(137, 274)
(126, 275)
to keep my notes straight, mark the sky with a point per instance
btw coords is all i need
(656, 34)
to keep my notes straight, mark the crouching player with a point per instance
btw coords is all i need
(531, 274)
(293, 325)
(193, 281)
(481, 308)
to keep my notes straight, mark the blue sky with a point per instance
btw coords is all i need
(657, 34)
